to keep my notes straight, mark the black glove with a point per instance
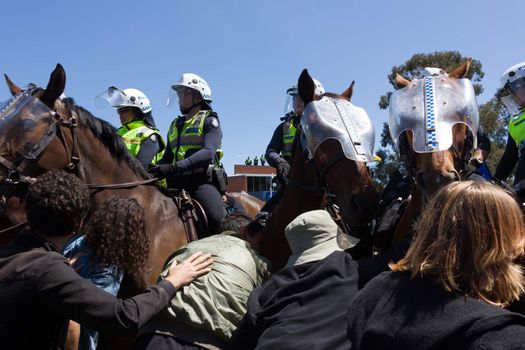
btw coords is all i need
(163, 170)
(283, 168)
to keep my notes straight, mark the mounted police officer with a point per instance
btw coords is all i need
(192, 157)
(512, 96)
(138, 131)
(279, 150)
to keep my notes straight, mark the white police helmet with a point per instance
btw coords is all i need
(124, 98)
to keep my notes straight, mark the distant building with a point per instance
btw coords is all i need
(254, 179)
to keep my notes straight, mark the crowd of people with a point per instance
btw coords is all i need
(449, 285)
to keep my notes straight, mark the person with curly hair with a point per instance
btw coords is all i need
(115, 243)
(449, 291)
(40, 292)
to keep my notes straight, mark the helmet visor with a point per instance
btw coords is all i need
(430, 107)
(113, 97)
(517, 88)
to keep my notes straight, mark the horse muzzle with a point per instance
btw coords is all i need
(431, 182)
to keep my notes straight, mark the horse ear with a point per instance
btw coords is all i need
(306, 87)
(462, 70)
(347, 94)
(55, 87)
(12, 86)
(401, 82)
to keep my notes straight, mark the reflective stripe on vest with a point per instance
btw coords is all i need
(288, 138)
(135, 133)
(517, 129)
(191, 138)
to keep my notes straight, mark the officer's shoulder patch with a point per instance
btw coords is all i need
(153, 138)
(215, 122)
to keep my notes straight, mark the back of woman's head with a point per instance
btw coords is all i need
(467, 240)
(117, 236)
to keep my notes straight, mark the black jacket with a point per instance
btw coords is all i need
(299, 307)
(39, 293)
(394, 312)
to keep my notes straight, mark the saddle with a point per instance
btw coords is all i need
(191, 213)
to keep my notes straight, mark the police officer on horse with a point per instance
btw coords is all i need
(279, 150)
(138, 130)
(192, 157)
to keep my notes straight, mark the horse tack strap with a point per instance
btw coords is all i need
(119, 186)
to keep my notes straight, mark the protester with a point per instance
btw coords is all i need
(449, 289)
(40, 292)
(299, 307)
(208, 311)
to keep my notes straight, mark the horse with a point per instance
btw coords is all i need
(251, 205)
(321, 175)
(69, 137)
(434, 137)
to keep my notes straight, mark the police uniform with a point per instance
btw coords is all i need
(279, 150)
(514, 150)
(193, 145)
(142, 141)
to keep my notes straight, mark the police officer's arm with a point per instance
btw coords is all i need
(508, 160)
(275, 147)
(204, 156)
(167, 157)
(149, 148)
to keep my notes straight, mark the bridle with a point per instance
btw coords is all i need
(321, 187)
(12, 172)
(407, 154)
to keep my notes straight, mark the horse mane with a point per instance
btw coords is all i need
(107, 135)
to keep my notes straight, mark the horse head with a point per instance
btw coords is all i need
(27, 126)
(434, 121)
(337, 138)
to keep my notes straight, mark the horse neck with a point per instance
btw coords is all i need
(98, 165)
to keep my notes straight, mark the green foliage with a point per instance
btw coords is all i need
(446, 60)
(492, 122)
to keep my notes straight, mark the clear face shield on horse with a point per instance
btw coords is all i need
(331, 118)
(27, 125)
(430, 107)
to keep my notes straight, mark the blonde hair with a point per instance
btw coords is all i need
(468, 240)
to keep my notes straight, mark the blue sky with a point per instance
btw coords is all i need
(250, 52)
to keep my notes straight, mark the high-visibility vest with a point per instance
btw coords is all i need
(135, 133)
(191, 137)
(289, 131)
(517, 129)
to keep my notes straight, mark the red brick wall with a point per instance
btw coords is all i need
(237, 183)
(253, 169)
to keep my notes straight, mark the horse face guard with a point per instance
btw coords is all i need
(430, 108)
(335, 118)
(27, 126)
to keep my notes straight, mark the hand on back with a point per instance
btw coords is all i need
(182, 274)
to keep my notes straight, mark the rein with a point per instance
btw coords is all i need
(322, 189)
(15, 177)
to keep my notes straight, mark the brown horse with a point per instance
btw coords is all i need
(328, 177)
(90, 148)
(251, 204)
(432, 170)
